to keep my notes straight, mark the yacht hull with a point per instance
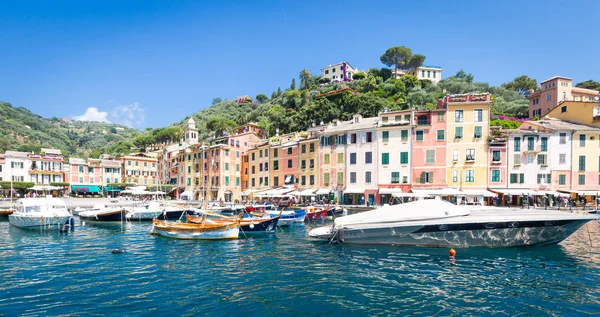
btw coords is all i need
(117, 215)
(37, 221)
(499, 234)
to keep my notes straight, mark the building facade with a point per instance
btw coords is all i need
(339, 72)
(556, 90)
(140, 169)
(392, 155)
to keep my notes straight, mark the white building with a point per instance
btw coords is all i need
(339, 72)
(433, 73)
(17, 166)
(394, 161)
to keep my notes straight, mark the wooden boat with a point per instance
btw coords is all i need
(247, 225)
(206, 230)
(316, 214)
(6, 211)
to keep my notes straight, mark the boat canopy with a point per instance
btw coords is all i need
(411, 211)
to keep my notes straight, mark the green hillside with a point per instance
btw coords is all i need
(22, 130)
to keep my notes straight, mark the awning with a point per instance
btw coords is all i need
(43, 188)
(515, 191)
(439, 191)
(307, 192)
(549, 192)
(355, 190)
(478, 192)
(583, 192)
(323, 191)
(386, 191)
(86, 188)
(112, 189)
(400, 195)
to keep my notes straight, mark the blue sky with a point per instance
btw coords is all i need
(151, 63)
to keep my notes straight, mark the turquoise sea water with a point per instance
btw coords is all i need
(75, 274)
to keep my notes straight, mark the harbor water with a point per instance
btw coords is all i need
(76, 274)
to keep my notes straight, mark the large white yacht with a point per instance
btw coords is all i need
(435, 222)
(45, 212)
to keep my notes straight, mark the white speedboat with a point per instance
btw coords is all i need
(102, 213)
(46, 212)
(438, 223)
(153, 210)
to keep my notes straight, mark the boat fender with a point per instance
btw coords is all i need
(72, 222)
(251, 226)
(340, 235)
(115, 251)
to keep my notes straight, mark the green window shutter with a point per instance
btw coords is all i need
(385, 158)
(458, 132)
(440, 135)
(386, 136)
(403, 157)
(478, 132)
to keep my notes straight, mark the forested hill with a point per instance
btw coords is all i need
(22, 130)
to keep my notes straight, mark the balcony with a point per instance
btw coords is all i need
(470, 158)
(496, 161)
(533, 150)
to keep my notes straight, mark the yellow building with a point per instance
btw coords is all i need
(582, 112)
(467, 147)
(308, 169)
(140, 168)
(258, 167)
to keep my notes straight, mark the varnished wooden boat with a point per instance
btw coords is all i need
(206, 230)
(247, 225)
(6, 211)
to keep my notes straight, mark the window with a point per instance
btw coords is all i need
(458, 132)
(326, 158)
(303, 148)
(562, 179)
(455, 155)
(253, 156)
(303, 180)
(237, 167)
(404, 135)
(368, 157)
(340, 158)
(80, 168)
(440, 135)
(530, 143)
(311, 147)
(289, 151)
(548, 97)
(563, 109)
(581, 180)
(428, 74)
(303, 164)
(275, 181)
(517, 178)
(403, 157)
(562, 159)
(426, 178)
(367, 177)
(544, 144)
(440, 116)
(395, 177)
(404, 179)
(563, 138)
(385, 158)
(137, 163)
(275, 152)
(237, 181)
(352, 177)
(434, 72)
(384, 119)
(226, 166)
(290, 163)
(326, 179)
(369, 137)
(454, 176)
(397, 118)
(254, 169)
(311, 163)
(582, 163)
(470, 155)
(385, 135)
(430, 157)
(266, 166)
(582, 140)
(542, 160)
(478, 115)
(470, 176)
(275, 165)
(517, 144)
(530, 158)
(495, 176)
(312, 179)
(419, 135)
(340, 178)
(407, 117)
(353, 138)
(478, 132)
(459, 116)
(352, 158)
(543, 179)
(422, 120)
(226, 180)
(495, 156)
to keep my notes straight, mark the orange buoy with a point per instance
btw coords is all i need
(452, 252)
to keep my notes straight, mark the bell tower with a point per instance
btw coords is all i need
(191, 133)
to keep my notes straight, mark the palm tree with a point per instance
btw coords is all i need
(304, 78)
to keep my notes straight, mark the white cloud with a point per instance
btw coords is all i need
(130, 115)
(92, 114)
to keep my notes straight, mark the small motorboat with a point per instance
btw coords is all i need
(207, 229)
(336, 211)
(316, 214)
(248, 225)
(153, 210)
(101, 213)
(45, 212)
(288, 217)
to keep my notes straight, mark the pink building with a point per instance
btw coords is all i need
(85, 178)
(497, 163)
(555, 90)
(429, 148)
